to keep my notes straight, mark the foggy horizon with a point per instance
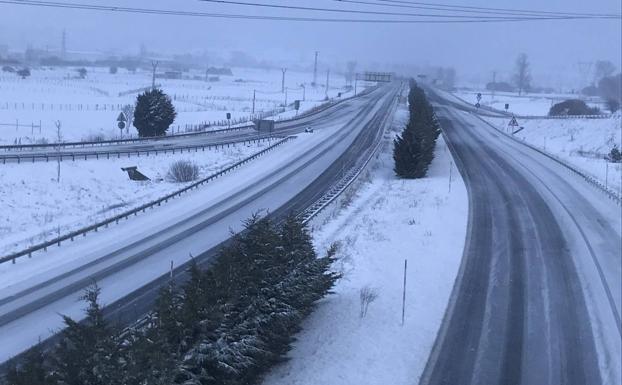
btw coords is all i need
(554, 47)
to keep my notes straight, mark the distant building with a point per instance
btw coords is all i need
(172, 75)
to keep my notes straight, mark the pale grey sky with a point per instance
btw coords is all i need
(472, 48)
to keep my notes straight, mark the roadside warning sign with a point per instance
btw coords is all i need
(513, 122)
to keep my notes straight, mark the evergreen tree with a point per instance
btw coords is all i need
(33, 370)
(87, 352)
(154, 113)
(413, 150)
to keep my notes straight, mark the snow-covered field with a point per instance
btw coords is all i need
(526, 104)
(35, 207)
(88, 108)
(581, 142)
(388, 220)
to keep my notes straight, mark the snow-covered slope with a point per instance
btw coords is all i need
(36, 208)
(581, 142)
(388, 221)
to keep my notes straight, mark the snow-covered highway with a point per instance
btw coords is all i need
(125, 258)
(538, 296)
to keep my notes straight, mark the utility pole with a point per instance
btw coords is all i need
(154, 64)
(327, 80)
(283, 80)
(63, 45)
(254, 96)
(315, 71)
(304, 92)
(58, 140)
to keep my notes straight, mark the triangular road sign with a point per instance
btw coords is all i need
(121, 117)
(513, 122)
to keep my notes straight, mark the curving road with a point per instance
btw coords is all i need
(130, 260)
(537, 299)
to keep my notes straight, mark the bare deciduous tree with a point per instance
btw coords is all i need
(367, 295)
(603, 69)
(522, 77)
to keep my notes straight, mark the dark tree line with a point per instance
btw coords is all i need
(413, 150)
(226, 325)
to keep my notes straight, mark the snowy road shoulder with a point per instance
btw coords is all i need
(389, 220)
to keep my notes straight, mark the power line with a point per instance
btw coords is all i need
(464, 8)
(337, 10)
(470, 9)
(168, 12)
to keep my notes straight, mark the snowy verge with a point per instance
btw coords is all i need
(387, 221)
(36, 207)
(532, 104)
(582, 143)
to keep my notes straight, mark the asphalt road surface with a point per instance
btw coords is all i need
(537, 297)
(131, 260)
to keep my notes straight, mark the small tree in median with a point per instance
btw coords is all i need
(154, 113)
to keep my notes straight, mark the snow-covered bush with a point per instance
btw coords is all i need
(367, 295)
(615, 155)
(573, 107)
(183, 171)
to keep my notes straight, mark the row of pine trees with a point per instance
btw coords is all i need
(225, 325)
(413, 150)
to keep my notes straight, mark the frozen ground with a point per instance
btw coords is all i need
(35, 207)
(88, 108)
(527, 104)
(581, 142)
(388, 220)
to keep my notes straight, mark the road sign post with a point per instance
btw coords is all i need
(512, 125)
(121, 122)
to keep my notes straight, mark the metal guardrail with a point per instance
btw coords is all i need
(611, 193)
(350, 177)
(17, 147)
(599, 116)
(125, 215)
(118, 153)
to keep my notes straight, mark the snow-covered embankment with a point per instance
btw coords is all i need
(581, 142)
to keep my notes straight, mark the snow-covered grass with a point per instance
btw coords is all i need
(35, 207)
(89, 107)
(526, 104)
(387, 221)
(581, 142)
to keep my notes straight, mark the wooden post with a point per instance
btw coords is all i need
(404, 292)
(450, 167)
